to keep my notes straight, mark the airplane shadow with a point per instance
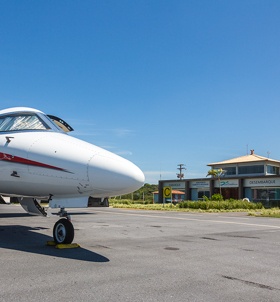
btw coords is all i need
(14, 215)
(72, 213)
(27, 239)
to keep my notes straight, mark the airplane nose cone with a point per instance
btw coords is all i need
(107, 170)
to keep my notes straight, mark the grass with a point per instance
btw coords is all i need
(274, 212)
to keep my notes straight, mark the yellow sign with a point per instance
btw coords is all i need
(167, 192)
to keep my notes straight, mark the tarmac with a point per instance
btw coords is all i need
(134, 255)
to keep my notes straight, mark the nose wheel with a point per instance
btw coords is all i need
(63, 231)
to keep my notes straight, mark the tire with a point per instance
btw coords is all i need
(63, 231)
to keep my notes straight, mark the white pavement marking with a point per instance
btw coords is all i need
(193, 219)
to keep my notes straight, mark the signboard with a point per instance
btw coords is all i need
(175, 185)
(200, 184)
(233, 183)
(262, 182)
(167, 192)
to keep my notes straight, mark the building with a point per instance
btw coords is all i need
(251, 176)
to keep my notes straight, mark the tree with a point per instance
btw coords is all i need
(217, 173)
(144, 193)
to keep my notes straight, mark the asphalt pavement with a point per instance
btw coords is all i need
(134, 255)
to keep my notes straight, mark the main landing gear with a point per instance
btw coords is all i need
(63, 230)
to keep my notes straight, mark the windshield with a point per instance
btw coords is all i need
(22, 122)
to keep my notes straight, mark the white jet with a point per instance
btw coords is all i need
(40, 161)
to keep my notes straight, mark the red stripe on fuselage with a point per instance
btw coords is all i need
(25, 161)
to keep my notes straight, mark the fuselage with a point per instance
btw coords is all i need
(38, 159)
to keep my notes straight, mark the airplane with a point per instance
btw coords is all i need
(40, 161)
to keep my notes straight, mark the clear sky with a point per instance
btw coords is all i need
(159, 82)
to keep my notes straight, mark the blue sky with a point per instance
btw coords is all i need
(158, 82)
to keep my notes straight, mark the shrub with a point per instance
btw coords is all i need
(220, 205)
(120, 201)
(203, 205)
(217, 197)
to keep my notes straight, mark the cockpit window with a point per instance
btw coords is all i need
(22, 122)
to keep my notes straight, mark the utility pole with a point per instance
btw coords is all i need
(180, 175)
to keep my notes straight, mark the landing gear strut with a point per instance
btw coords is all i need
(63, 230)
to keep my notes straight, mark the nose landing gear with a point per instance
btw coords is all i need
(63, 230)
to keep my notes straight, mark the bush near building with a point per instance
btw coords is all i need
(220, 205)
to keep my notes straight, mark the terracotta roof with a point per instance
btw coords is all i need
(173, 192)
(245, 159)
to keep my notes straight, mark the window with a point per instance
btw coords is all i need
(230, 171)
(203, 193)
(258, 169)
(272, 170)
(266, 194)
(21, 122)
